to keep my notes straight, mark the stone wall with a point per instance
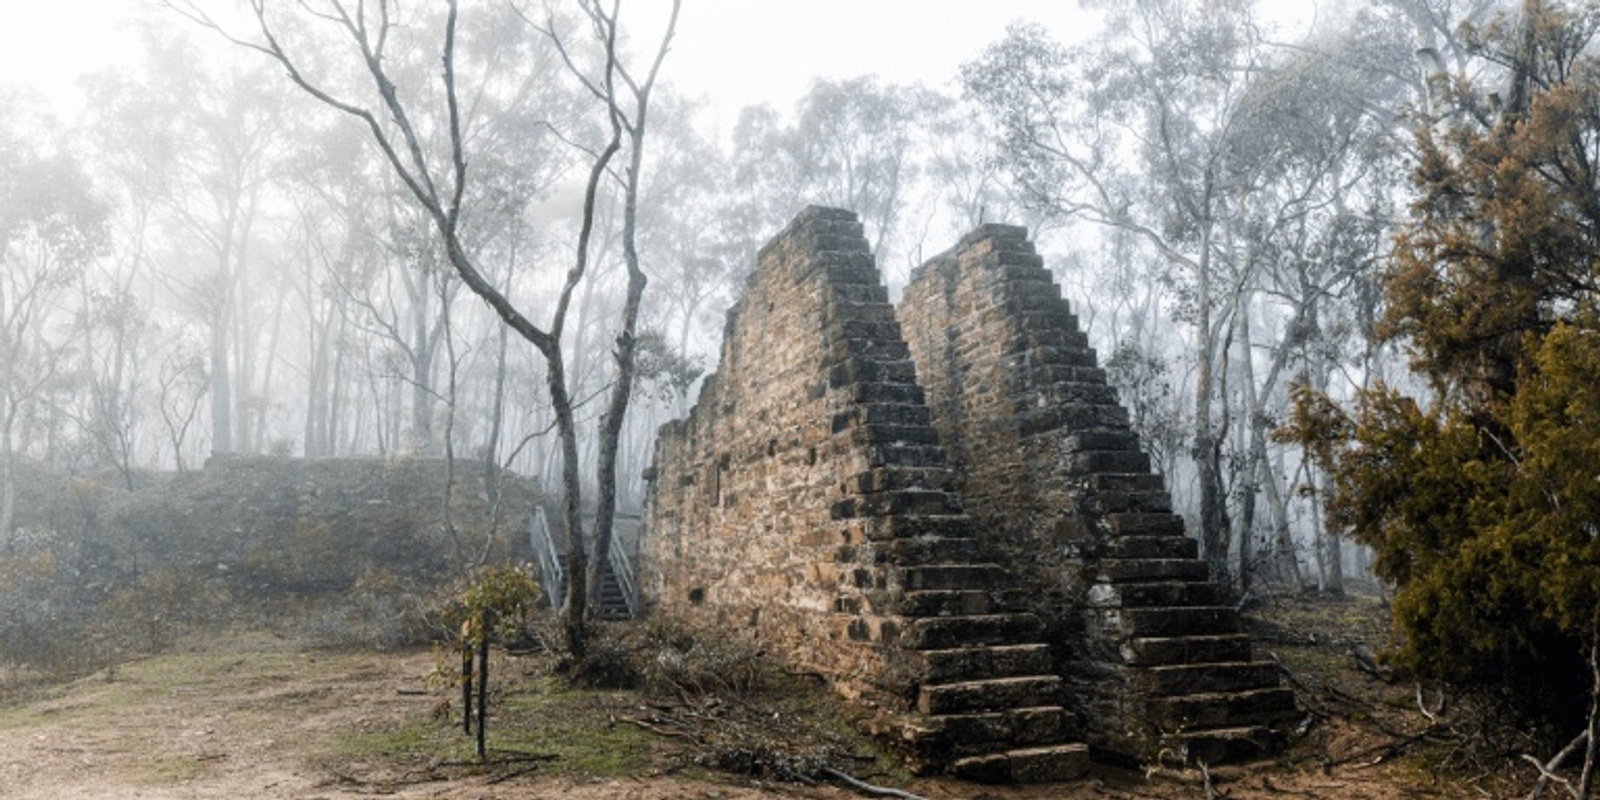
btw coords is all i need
(772, 497)
(1006, 372)
(983, 550)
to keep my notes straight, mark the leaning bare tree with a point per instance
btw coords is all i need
(439, 185)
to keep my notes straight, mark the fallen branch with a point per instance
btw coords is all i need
(1547, 770)
(516, 773)
(1433, 716)
(1384, 751)
(660, 731)
(863, 786)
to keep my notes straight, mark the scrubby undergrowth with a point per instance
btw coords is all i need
(332, 552)
(655, 712)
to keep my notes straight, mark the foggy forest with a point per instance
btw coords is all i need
(306, 276)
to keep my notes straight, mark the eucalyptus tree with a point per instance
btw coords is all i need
(435, 172)
(1133, 132)
(1314, 155)
(1477, 490)
(52, 226)
(859, 144)
(1254, 175)
(204, 142)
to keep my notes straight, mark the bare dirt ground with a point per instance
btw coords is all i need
(249, 715)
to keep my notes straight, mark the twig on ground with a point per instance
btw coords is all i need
(1383, 751)
(1433, 716)
(660, 731)
(1547, 770)
(863, 786)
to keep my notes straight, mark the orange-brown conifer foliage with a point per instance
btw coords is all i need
(1481, 499)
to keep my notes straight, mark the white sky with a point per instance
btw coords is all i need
(738, 52)
(749, 51)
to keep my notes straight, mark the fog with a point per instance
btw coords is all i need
(206, 260)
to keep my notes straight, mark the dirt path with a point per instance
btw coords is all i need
(251, 717)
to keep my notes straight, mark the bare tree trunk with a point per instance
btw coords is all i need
(621, 390)
(1214, 526)
(1282, 536)
(466, 686)
(1586, 778)
(221, 394)
(497, 410)
(8, 479)
(483, 693)
(441, 193)
(1331, 542)
(422, 354)
(575, 607)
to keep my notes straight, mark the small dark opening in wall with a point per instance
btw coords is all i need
(697, 595)
(811, 456)
(772, 447)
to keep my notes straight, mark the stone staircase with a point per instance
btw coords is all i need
(1152, 656)
(1161, 627)
(989, 705)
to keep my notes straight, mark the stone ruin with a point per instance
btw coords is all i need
(941, 508)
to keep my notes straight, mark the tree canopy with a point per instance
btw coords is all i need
(1479, 492)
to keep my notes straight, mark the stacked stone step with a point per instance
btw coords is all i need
(1153, 658)
(1159, 628)
(987, 703)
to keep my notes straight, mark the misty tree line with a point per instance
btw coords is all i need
(210, 262)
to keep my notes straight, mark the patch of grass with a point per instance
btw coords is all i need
(167, 771)
(409, 741)
(541, 717)
(573, 726)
